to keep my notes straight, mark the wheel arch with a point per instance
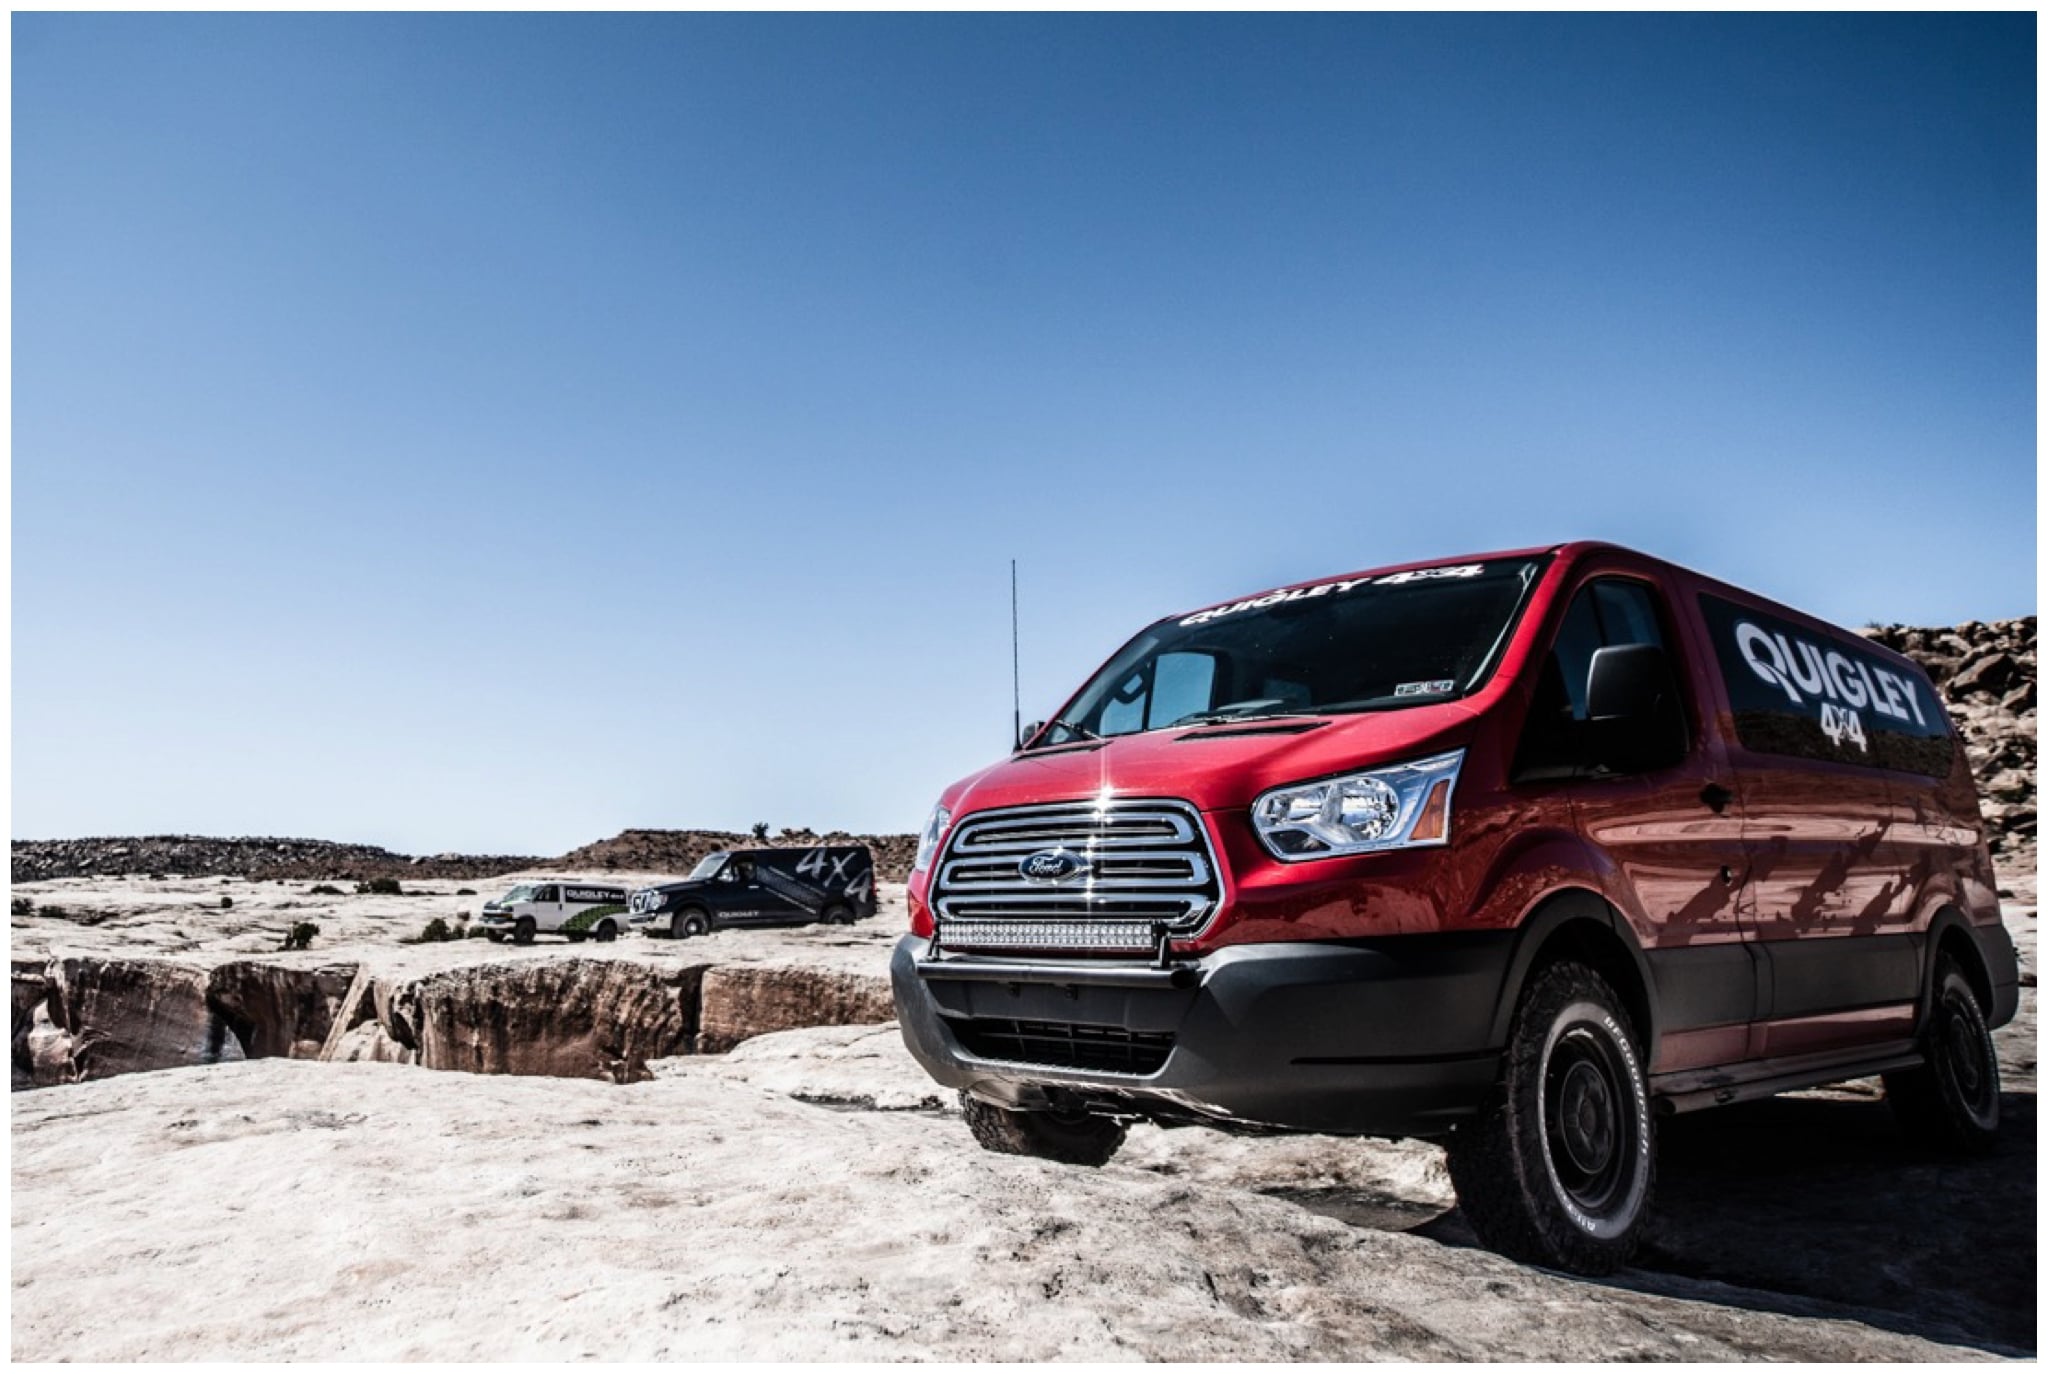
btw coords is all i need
(1948, 933)
(1580, 924)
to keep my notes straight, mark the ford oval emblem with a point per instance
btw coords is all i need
(1052, 866)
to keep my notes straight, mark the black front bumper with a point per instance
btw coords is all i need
(1382, 1037)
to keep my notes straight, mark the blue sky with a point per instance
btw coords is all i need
(490, 432)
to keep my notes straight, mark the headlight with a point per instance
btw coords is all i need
(1399, 807)
(928, 842)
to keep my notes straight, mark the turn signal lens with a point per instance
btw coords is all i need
(1429, 825)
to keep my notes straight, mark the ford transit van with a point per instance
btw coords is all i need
(1515, 851)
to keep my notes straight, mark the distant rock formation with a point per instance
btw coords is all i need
(1986, 670)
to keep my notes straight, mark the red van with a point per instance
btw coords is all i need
(1514, 851)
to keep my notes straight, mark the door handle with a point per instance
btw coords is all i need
(1716, 797)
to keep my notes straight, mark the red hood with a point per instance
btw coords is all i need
(1212, 771)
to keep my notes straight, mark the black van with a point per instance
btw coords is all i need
(762, 887)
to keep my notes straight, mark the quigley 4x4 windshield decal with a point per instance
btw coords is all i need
(1813, 695)
(1342, 585)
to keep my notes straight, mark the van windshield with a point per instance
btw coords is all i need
(522, 893)
(707, 866)
(1367, 644)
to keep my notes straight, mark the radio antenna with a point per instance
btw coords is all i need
(1016, 691)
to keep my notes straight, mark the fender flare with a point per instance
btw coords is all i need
(1552, 913)
(1945, 920)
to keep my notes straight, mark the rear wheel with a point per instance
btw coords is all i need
(522, 934)
(838, 914)
(1068, 1137)
(606, 932)
(1950, 1103)
(687, 923)
(1557, 1167)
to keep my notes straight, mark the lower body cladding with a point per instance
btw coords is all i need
(1386, 1037)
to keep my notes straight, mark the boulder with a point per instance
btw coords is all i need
(1990, 675)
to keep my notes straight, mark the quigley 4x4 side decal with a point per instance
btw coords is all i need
(1808, 694)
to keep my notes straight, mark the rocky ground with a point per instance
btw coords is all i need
(114, 976)
(809, 1194)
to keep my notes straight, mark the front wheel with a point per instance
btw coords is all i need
(1067, 1137)
(687, 923)
(1950, 1103)
(1557, 1167)
(522, 934)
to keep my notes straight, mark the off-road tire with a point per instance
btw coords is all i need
(684, 924)
(1557, 1169)
(523, 933)
(607, 931)
(1950, 1103)
(1075, 1138)
(837, 914)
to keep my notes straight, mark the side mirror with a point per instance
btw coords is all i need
(1627, 681)
(1632, 707)
(1026, 733)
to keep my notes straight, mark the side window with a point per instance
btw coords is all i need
(1604, 614)
(548, 894)
(1812, 695)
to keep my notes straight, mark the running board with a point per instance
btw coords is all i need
(1690, 1091)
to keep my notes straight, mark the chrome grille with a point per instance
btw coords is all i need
(1148, 865)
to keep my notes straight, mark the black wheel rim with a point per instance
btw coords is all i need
(1962, 1052)
(1589, 1120)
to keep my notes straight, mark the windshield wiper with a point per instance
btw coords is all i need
(1233, 717)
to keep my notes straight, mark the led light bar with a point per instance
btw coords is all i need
(1131, 937)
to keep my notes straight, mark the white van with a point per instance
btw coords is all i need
(552, 906)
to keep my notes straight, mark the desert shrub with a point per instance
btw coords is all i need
(300, 936)
(381, 887)
(55, 913)
(22, 906)
(465, 892)
(226, 902)
(761, 831)
(436, 931)
(323, 890)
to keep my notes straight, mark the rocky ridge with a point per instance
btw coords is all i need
(268, 858)
(1987, 672)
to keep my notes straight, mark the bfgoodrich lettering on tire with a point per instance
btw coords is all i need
(1557, 1167)
(1950, 1103)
